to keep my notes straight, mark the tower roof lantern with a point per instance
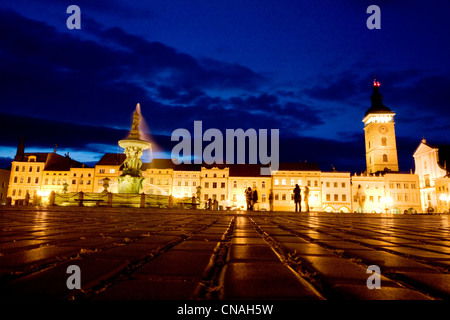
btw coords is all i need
(377, 101)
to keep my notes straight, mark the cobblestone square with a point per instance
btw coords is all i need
(166, 254)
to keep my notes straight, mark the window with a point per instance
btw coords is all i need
(385, 158)
(413, 185)
(194, 183)
(308, 183)
(327, 184)
(391, 185)
(263, 184)
(222, 197)
(383, 142)
(215, 175)
(151, 180)
(13, 192)
(263, 198)
(186, 183)
(336, 197)
(335, 184)
(425, 165)
(23, 170)
(355, 199)
(283, 197)
(159, 181)
(205, 197)
(74, 181)
(277, 196)
(112, 170)
(100, 182)
(371, 198)
(292, 182)
(214, 185)
(343, 184)
(276, 182)
(344, 197)
(31, 169)
(245, 184)
(101, 171)
(405, 186)
(21, 179)
(214, 196)
(400, 197)
(17, 168)
(36, 180)
(283, 182)
(328, 197)
(166, 181)
(254, 184)
(234, 184)
(406, 197)
(222, 185)
(179, 183)
(15, 179)
(29, 180)
(234, 197)
(38, 169)
(206, 184)
(399, 185)
(316, 183)
(81, 181)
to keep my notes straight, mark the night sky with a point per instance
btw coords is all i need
(303, 67)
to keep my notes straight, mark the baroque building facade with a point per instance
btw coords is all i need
(380, 189)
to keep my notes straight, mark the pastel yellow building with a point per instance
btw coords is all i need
(336, 191)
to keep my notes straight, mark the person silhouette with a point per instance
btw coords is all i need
(298, 198)
(248, 198)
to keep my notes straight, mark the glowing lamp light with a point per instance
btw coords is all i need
(376, 83)
(42, 193)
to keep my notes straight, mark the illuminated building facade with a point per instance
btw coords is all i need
(382, 188)
(431, 167)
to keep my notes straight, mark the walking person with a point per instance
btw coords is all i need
(298, 198)
(248, 198)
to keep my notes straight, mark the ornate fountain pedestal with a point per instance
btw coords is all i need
(131, 180)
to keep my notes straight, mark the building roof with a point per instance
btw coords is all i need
(246, 170)
(377, 102)
(111, 159)
(159, 164)
(56, 162)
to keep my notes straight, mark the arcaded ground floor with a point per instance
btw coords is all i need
(162, 254)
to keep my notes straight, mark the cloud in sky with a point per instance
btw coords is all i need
(79, 91)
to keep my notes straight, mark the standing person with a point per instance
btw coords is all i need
(248, 198)
(298, 198)
(254, 198)
(307, 198)
(271, 200)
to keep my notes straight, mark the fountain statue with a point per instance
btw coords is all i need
(131, 180)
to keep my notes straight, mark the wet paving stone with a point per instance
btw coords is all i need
(169, 254)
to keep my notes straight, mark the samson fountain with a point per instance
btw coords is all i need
(131, 180)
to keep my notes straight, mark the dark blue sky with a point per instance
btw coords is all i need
(303, 67)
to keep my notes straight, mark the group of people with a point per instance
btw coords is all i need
(251, 196)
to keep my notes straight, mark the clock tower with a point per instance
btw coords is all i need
(379, 128)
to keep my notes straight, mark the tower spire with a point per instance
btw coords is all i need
(20, 154)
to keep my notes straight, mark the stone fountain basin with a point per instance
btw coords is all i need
(134, 143)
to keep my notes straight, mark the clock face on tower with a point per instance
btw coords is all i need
(383, 129)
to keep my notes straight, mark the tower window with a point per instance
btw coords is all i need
(384, 142)
(385, 158)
